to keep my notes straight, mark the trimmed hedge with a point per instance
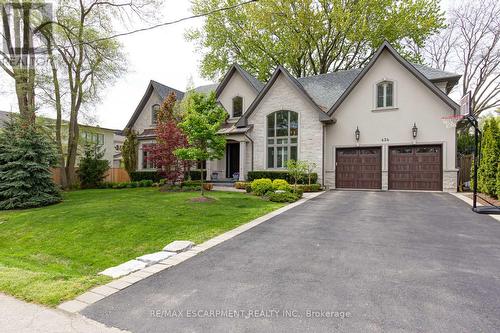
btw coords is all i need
(252, 175)
(155, 176)
(137, 176)
(310, 188)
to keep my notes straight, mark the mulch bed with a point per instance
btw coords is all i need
(202, 199)
(481, 201)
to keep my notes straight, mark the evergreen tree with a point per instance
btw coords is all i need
(129, 151)
(26, 158)
(93, 167)
(490, 151)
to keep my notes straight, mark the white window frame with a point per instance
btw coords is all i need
(385, 81)
(277, 145)
(153, 122)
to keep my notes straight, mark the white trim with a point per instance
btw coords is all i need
(394, 105)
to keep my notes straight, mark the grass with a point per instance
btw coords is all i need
(52, 254)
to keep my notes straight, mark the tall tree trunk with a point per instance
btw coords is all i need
(58, 106)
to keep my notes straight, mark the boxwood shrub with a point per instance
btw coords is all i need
(252, 175)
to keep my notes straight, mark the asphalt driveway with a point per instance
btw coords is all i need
(384, 261)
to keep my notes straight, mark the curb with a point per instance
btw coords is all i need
(101, 292)
(469, 201)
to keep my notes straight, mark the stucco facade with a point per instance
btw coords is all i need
(329, 108)
(414, 104)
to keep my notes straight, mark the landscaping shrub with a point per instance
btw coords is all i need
(146, 183)
(248, 188)
(281, 185)
(282, 196)
(195, 175)
(240, 185)
(191, 183)
(137, 176)
(310, 188)
(262, 186)
(253, 175)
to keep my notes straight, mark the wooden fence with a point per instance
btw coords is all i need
(114, 175)
(464, 170)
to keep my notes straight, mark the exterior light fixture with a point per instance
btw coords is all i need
(357, 133)
(414, 130)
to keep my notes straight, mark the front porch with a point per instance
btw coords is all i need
(233, 166)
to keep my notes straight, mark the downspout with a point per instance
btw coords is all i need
(323, 157)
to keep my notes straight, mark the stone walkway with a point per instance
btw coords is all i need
(19, 317)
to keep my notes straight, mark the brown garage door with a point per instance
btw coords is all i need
(358, 168)
(415, 168)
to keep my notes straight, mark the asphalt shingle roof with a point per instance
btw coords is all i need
(164, 90)
(206, 88)
(433, 73)
(325, 89)
(253, 81)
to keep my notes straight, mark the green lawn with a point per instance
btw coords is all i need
(51, 254)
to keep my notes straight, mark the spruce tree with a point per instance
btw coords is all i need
(26, 157)
(93, 167)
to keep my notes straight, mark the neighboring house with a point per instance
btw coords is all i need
(104, 137)
(378, 127)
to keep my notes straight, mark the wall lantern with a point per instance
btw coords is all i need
(357, 133)
(414, 130)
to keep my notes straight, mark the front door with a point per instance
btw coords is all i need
(232, 159)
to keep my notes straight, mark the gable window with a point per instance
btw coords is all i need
(282, 137)
(237, 106)
(385, 94)
(155, 109)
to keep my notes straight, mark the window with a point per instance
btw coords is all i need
(155, 109)
(385, 94)
(92, 138)
(146, 162)
(282, 137)
(237, 106)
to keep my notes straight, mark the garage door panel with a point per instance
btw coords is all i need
(415, 168)
(358, 168)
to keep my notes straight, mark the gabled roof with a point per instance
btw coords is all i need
(280, 70)
(208, 88)
(153, 87)
(254, 83)
(411, 68)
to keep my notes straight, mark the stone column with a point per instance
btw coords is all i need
(209, 171)
(243, 155)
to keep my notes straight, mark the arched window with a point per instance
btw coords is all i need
(282, 137)
(385, 94)
(237, 106)
(155, 109)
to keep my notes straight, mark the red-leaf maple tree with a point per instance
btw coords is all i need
(169, 137)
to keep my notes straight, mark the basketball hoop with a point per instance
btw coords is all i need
(451, 121)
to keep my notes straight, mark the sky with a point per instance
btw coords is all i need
(162, 55)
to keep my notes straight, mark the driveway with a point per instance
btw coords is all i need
(384, 261)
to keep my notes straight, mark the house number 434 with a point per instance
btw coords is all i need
(385, 139)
